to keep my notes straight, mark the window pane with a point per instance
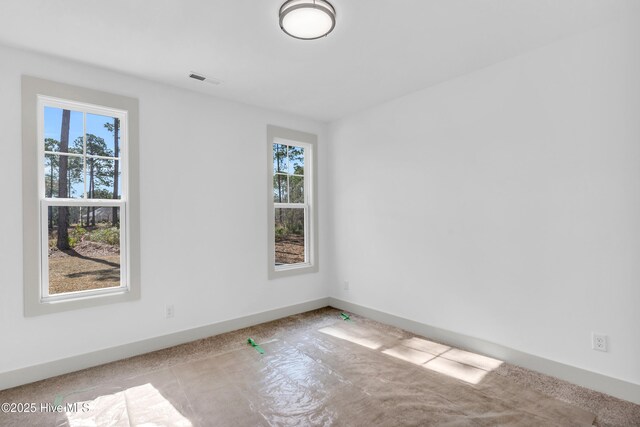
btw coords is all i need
(296, 160)
(296, 184)
(101, 134)
(70, 168)
(84, 248)
(279, 158)
(103, 177)
(62, 125)
(289, 236)
(280, 189)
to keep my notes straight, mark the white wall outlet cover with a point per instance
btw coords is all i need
(168, 311)
(599, 342)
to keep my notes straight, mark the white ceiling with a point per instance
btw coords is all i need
(380, 49)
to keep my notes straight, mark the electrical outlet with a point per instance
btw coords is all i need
(345, 285)
(599, 342)
(168, 311)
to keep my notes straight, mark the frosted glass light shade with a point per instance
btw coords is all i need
(307, 19)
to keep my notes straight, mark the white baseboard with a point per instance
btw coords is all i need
(75, 363)
(612, 386)
(602, 383)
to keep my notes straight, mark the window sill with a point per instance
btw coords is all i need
(57, 305)
(277, 272)
(83, 295)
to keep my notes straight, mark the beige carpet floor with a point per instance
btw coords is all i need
(317, 369)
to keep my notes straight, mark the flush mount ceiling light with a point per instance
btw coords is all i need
(307, 19)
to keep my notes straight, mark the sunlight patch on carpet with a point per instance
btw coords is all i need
(135, 406)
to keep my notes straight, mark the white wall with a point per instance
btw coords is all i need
(504, 204)
(203, 211)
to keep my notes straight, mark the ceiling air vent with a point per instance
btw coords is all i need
(203, 78)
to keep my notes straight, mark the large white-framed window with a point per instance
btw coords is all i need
(82, 185)
(80, 197)
(292, 202)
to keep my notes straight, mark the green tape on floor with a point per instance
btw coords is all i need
(58, 401)
(254, 345)
(345, 316)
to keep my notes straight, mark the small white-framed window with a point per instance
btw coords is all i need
(292, 202)
(80, 197)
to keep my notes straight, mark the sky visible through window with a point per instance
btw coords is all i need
(95, 125)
